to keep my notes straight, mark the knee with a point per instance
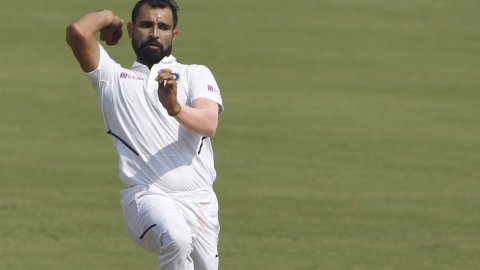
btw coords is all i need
(177, 241)
(175, 251)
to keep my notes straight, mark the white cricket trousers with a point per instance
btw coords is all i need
(181, 227)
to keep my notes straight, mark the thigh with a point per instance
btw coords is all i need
(148, 219)
(204, 256)
(202, 216)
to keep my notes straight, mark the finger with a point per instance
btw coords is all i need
(102, 35)
(117, 35)
(167, 84)
(165, 72)
(164, 76)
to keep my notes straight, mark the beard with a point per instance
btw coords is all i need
(149, 56)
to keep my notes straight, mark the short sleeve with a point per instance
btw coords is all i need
(103, 75)
(202, 84)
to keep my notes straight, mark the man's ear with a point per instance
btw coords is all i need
(175, 34)
(130, 29)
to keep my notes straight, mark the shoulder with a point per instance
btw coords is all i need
(196, 68)
(105, 62)
(199, 72)
(108, 67)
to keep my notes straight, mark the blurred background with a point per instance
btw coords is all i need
(350, 138)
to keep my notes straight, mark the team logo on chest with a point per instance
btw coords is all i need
(176, 76)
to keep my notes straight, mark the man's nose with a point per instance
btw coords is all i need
(154, 32)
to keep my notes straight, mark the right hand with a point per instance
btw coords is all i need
(167, 92)
(112, 33)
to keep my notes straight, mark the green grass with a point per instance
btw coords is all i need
(349, 140)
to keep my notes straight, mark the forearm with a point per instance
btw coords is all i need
(81, 36)
(203, 121)
(89, 24)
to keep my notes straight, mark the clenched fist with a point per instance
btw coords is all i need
(167, 92)
(112, 33)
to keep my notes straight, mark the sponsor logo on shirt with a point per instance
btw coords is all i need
(124, 75)
(211, 88)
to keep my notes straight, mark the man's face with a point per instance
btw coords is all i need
(152, 34)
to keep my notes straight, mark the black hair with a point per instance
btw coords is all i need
(156, 4)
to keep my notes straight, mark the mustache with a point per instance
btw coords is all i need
(152, 42)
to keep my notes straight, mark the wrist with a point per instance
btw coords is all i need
(110, 18)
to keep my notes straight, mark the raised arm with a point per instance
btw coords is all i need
(80, 36)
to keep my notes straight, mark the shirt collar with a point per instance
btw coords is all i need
(168, 60)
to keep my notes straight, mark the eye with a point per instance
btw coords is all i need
(145, 24)
(163, 26)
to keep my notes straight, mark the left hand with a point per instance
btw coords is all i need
(167, 92)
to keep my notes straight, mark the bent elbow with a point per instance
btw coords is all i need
(73, 34)
(70, 33)
(210, 129)
(211, 132)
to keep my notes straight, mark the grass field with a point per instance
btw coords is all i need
(350, 138)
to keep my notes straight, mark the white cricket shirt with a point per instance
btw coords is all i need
(153, 147)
